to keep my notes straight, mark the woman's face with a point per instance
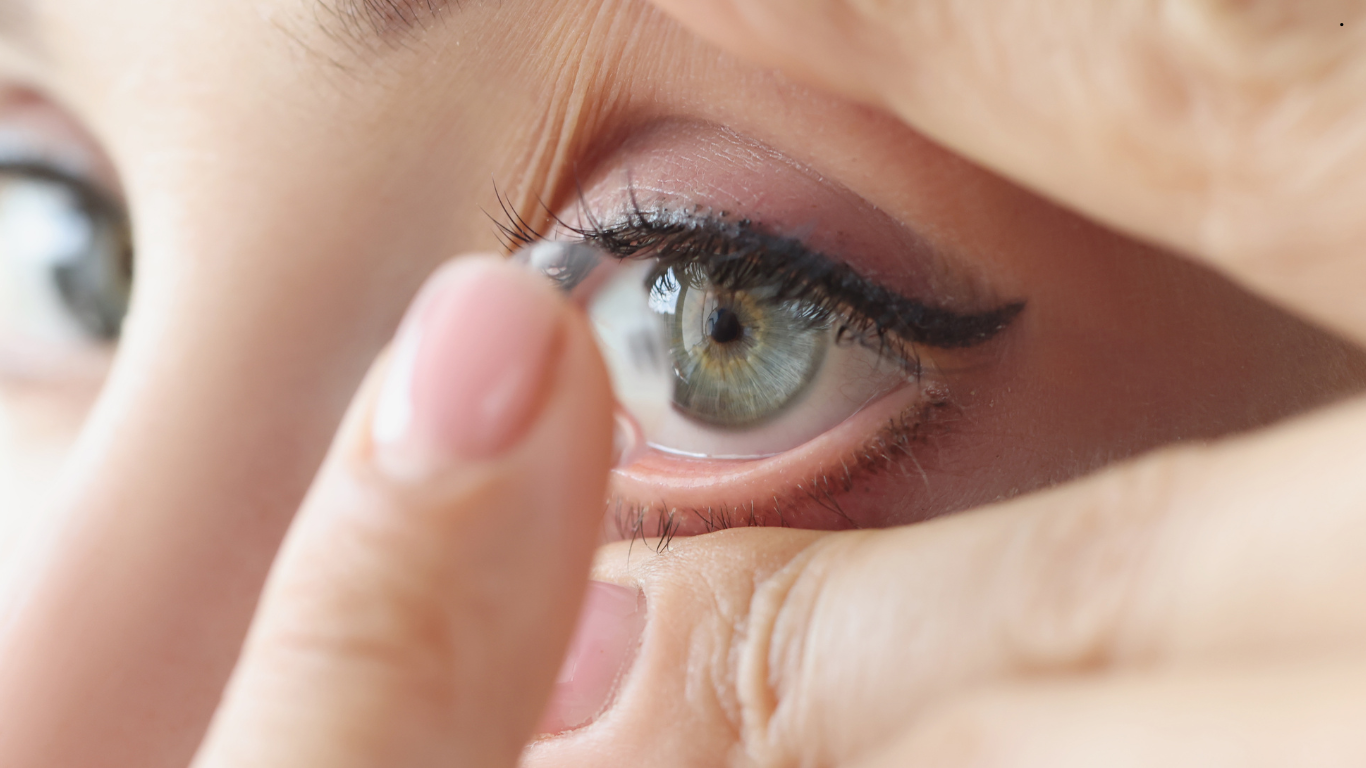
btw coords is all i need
(293, 169)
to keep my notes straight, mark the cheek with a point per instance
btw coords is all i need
(38, 425)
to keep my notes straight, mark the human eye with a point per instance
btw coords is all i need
(67, 267)
(810, 338)
(65, 281)
(770, 343)
(66, 264)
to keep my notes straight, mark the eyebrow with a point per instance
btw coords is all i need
(389, 22)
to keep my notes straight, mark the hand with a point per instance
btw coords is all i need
(1229, 131)
(1197, 607)
(421, 604)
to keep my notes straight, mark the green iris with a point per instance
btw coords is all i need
(740, 356)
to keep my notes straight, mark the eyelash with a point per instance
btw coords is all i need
(737, 255)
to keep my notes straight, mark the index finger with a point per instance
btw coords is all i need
(1234, 132)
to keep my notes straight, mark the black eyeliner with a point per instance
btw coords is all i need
(737, 256)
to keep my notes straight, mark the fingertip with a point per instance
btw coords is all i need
(429, 585)
(470, 368)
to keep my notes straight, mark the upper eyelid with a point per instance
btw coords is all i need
(798, 270)
(877, 310)
(91, 194)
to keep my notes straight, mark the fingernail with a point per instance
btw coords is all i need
(468, 369)
(603, 647)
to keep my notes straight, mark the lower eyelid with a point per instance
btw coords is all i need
(664, 497)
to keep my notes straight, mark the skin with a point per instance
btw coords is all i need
(1107, 619)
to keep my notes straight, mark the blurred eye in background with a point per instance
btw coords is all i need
(65, 261)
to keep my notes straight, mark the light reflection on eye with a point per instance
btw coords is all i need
(65, 259)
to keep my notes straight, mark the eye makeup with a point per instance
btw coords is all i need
(814, 336)
(741, 256)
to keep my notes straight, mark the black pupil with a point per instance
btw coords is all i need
(724, 326)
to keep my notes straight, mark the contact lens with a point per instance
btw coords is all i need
(632, 337)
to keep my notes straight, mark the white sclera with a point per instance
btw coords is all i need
(633, 338)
